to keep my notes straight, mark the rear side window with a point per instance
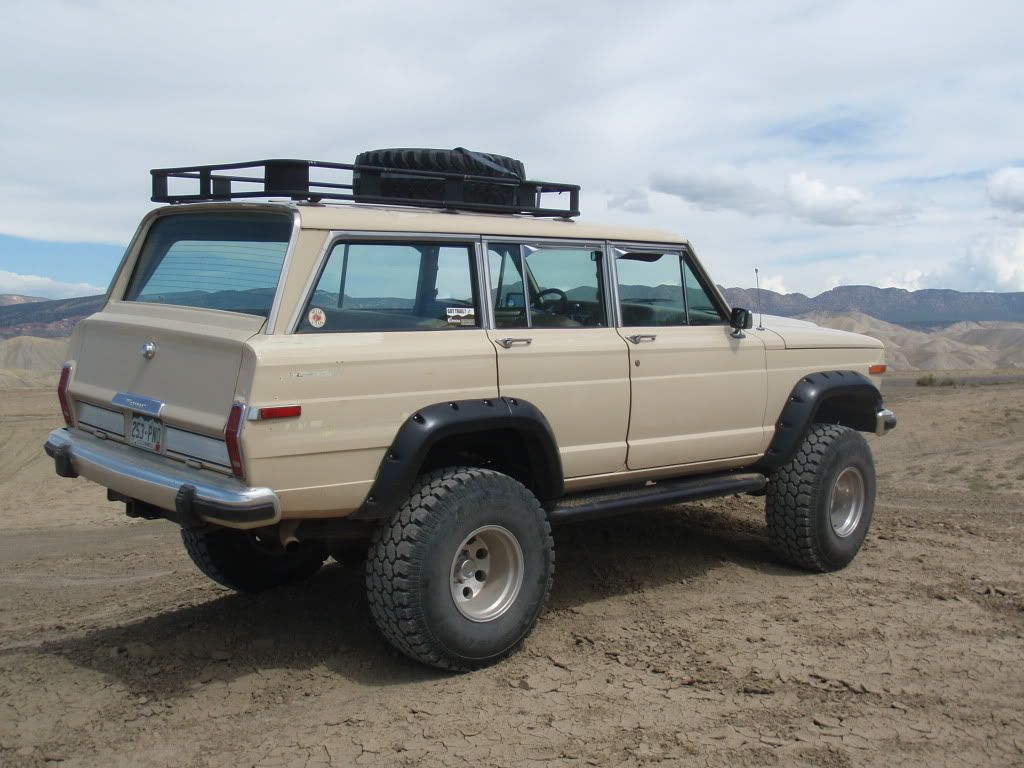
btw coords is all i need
(227, 261)
(401, 286)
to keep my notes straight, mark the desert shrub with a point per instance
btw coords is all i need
(928, 380)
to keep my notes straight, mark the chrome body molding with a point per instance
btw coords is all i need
(157, 480)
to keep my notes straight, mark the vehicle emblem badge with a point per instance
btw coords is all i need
(149, 350)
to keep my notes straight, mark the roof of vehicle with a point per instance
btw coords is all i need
(380, 218)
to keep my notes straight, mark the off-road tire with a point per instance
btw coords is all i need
(409, 568)
(239, 561)
(442, 161)
(798, 495)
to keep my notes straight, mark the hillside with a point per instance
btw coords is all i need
(894, 305)
(46, 318)
(978, 346)
(30, 362)
(7, 299)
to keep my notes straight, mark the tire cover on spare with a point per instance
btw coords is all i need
(461, 161)
(457, 160)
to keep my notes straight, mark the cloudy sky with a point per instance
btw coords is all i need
(826, 143)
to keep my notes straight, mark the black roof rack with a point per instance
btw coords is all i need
(367, 183)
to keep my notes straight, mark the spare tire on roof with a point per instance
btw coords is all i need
(460, 161)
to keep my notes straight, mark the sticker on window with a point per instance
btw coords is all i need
(461, 315)
(317, 317)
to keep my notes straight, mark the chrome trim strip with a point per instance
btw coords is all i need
(101, 418)
(192, 445)
(483, 272)
(156, 480)
(275, 307)
(138, 403)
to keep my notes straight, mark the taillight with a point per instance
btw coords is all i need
(232, 432)
(62, 393)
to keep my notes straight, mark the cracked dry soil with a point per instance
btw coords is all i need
(672, 637)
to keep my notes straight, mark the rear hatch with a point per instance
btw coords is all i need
(158, 367)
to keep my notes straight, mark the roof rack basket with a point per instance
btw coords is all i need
(291, 179)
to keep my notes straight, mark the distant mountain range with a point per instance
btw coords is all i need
(31, 316)
(894, 305)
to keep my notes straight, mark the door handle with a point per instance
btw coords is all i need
(508, 342)
(639, 338)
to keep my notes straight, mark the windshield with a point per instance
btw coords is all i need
(226, 261)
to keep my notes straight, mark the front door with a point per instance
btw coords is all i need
(558, 350)
(698, 392)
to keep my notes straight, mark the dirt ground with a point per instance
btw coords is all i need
(672, 637)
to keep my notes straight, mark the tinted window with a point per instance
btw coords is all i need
(701, 309)
(228, 261)
(393, 287)
(564, 287)
(651, 289)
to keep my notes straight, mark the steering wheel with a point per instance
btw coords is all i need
(563, 299)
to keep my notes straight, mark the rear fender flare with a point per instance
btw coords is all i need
(404, 459)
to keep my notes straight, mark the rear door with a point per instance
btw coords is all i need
(558, 350)
(698, 392)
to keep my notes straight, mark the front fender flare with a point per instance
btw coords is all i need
(845, 397)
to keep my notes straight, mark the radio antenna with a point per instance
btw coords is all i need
(760, 315)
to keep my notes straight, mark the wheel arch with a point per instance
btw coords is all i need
(508, 434)
(847, 398)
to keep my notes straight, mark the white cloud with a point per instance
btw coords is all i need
(1006, 188)
(631, 200)
(774, 283)
(887, 120)
(36, 285)
(801, 197)
(815, 201)
(993, 262)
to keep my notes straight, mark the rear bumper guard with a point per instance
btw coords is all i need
(186, 493)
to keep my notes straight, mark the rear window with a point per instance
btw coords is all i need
(227, 261)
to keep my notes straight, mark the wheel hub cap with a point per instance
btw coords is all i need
(846, 502)
(487, 573)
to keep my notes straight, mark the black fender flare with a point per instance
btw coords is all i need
(404, 459)
(840, 397)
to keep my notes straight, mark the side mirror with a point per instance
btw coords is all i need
(741, 319)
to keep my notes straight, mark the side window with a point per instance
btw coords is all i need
(651, 289)
(701, 309)
(563, 287)
(505, 265)
(393, 287)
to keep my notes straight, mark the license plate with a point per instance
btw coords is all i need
(146, 432)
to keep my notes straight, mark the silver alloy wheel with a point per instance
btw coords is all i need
(487, 573)
(846, 502)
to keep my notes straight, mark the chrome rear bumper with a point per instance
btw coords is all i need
(191, 494)
(885, 421)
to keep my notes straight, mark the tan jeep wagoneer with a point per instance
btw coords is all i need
(430, 376)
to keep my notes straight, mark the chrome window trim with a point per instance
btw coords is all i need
(275, 306)
(335, 236)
